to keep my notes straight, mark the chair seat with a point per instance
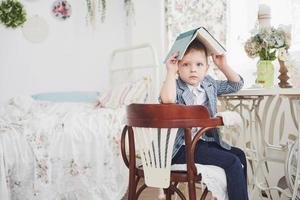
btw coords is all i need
(214, 178)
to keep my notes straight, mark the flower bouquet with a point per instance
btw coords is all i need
(264, 43)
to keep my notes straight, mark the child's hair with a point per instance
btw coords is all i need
(196, 44)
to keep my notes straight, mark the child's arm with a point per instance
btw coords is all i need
(168, 89)
(221, 62)
(234, 81)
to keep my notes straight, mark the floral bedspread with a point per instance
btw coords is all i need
(60, 151)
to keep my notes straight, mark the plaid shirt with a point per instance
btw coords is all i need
(213, 88)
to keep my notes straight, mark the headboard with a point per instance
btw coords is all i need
(134, 62)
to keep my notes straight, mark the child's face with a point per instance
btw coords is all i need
(193, 67)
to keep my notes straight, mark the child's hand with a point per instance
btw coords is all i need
(172, 63)
(220, 61)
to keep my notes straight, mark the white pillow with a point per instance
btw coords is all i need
(126, 93)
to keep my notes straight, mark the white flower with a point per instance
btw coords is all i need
(252, 48)
(282, 54)
(286, 31)
(266, 41)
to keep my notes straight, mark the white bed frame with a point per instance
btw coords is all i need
(153, 66)
(128, 68)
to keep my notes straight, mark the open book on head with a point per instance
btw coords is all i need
(184, 39)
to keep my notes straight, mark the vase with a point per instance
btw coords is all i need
(265, 73)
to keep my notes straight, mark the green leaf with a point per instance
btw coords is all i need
(12, 13)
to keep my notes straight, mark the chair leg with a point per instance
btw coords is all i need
(168, 193)
(132, 187)
(192, 190)
(204, 194)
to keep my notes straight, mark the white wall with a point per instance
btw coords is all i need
(74, 57)
(149, 25)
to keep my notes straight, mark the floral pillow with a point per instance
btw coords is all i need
(125, 94)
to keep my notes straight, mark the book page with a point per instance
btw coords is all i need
(212, 45)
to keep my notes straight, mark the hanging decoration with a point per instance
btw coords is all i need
(94, 7)
(97, 8)
(129, 8)
(61, 9)
(102, 9)
(35, 29)
(12, 13)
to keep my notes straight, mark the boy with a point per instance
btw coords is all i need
(193, 86)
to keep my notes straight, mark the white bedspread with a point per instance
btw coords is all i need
(60, 151)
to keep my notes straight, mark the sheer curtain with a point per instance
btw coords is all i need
(242, 18)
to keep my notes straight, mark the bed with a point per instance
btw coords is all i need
(64, 148)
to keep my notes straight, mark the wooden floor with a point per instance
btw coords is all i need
(153, 194)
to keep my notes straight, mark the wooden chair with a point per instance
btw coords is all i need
(152, 130)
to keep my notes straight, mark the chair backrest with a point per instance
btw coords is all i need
(154, 127)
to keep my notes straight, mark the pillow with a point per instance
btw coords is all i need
(74, 96)
(125, 94)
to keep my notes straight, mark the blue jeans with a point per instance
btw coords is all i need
(233, 162)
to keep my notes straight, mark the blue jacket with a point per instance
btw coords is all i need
(213, 88)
